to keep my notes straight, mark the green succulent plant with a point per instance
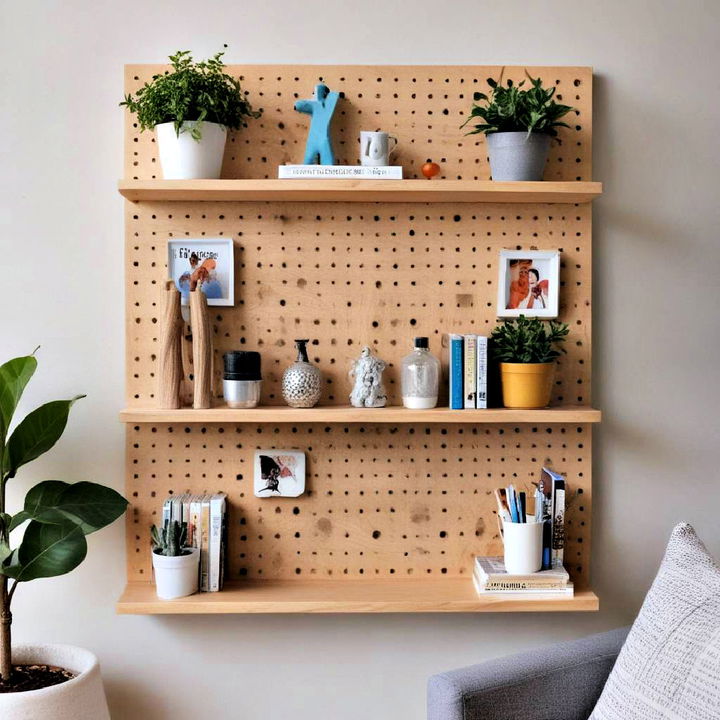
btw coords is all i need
(511, 108)
(170, 540)
(200, 91)
(528, 340)
(58, 514)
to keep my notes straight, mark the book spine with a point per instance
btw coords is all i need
(204, 544)
(455, 372)
(545, 487)
(166, 511)
(482, 373)
(216, 513)
(309, 172)
(558, 524)
(470, 370)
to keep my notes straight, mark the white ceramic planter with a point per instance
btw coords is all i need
(176, 577)
(82, 698)
(517, 155)
(183, 158)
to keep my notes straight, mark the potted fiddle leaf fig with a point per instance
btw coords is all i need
(49, 531)
(191, 108)
(519, 124)
(526, 349)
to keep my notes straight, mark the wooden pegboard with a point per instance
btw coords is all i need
(346, 275)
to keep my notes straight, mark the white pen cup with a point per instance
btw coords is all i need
(523, 547)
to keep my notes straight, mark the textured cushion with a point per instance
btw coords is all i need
(669, 667)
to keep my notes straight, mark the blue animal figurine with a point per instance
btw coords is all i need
(318, 149)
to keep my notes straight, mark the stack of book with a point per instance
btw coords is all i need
(490, 577)
(468, 371)
(206, 519)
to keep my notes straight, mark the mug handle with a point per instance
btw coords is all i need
(392, 149)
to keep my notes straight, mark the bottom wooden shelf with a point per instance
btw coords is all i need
(346, 596)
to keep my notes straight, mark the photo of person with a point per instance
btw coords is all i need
(279, 473)
(203, 263)
(528, 283)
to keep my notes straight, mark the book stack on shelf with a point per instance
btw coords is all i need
(490, 578)
(468, 371)
(206, 520)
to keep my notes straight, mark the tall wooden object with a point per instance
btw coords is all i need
(386, 501)
(170, 360)
(201, 349)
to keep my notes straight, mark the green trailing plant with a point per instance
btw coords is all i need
(170, 540)
(512, 108)
(528, 340)
(191, 91)
(56, 515)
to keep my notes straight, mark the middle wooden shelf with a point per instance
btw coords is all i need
(347, 414)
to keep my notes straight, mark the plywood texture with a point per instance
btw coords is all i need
(394, 500)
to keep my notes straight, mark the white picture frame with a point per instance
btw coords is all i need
(279, 473)
(189, 256)
(528, 283)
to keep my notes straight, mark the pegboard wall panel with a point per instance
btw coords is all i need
(380, 502)
(353, 275)
(423, 105)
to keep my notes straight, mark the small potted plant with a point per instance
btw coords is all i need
(526, 349)
(175, 564)
(44, 681)
(191, 108)
(518, 124)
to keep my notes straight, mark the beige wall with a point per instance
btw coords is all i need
(657, 270)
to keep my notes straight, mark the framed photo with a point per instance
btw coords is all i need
(528, 283)
(279, 473)
(210, 262)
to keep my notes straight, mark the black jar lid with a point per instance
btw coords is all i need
(422, 342)
(242, 365)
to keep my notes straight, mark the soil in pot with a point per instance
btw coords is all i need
(34, 677)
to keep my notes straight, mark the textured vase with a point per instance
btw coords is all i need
(183, 158)
(517, 155)
(82, 698)
(302, 381)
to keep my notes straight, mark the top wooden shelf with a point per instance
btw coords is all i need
(395, 191)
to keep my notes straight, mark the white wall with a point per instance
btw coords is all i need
(657, 270)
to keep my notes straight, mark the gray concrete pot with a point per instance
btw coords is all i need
(517, 155)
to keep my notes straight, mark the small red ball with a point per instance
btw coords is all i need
(430, 169)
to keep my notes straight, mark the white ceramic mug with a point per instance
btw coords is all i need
(376, 148)
(523, 547)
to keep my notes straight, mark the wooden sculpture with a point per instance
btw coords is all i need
(202, 348)
(169, 360)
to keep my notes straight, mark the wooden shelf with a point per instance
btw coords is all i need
(346, 596)
(434, 191)
(346, 414)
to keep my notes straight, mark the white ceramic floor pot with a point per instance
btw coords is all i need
(517, 155)
(82, 698)
(183, 158)
(176, 577)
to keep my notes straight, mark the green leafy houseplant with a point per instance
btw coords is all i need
(192, 91)
(170, 540)
(528, 340)
(58, 514)
(511, 108)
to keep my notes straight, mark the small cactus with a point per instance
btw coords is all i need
(170, 539)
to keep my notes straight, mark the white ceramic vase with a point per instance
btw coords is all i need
(82, 698)
(176, 577)
(183, 158)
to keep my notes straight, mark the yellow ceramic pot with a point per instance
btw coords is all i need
(526, 385)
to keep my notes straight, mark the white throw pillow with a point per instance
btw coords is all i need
(669, 667)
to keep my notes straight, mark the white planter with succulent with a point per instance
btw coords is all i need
(519, 125)
(176, 565)
(44, 681)
(191, 109)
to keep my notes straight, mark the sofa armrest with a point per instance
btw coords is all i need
(560, 682)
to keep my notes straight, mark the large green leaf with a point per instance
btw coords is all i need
(37, 433)
(47, 550)
(14, 376)
(89, 505)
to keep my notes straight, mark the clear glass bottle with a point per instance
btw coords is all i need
(420, 377)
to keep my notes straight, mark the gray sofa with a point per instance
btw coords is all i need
(561, 682)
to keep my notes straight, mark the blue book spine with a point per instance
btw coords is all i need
(455, 371)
